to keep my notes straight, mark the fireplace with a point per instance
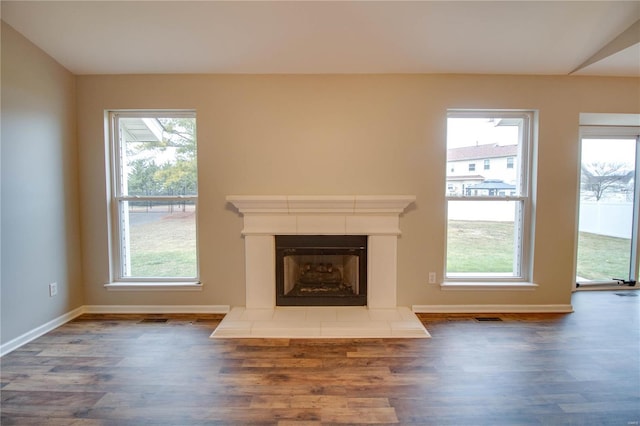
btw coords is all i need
(321, 270)
(375, 217)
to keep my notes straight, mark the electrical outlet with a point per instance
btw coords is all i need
(432, 277)
(53, 289)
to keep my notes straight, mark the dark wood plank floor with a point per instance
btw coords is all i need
(579, 369)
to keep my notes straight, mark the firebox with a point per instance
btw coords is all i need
(321, 270)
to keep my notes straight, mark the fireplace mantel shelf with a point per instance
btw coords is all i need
(321, 204)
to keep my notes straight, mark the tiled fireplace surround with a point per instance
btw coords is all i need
(372, 215)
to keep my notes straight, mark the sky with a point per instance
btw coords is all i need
(469, 131)
(609, 151)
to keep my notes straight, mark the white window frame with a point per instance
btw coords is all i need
(613, 132)
(521, 278)
(118, 280)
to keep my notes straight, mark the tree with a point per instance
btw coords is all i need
(166, 166)
(600, 178)
(142, 178)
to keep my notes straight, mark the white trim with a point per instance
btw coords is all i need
(606, 287)
(119, 249)
(488, 286)
(505, 309)
(108, 309)
(153, 286)
(27, 337)
(523, 214)
(156, 309)
(321, 204)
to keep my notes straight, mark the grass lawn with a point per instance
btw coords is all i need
(165, 247)
(475, 246)
(488, 247)
(602, 258)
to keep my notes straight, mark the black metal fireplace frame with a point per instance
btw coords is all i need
(321, 244)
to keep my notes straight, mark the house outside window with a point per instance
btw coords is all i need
(494, 207)
(154, 196)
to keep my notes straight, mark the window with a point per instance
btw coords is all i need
(509, 162)
(154, 196)
(607, 250)
(472, 167)
(487, 230)
(487, 164)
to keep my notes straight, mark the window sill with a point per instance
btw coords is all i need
(488, 286)
(154, 286)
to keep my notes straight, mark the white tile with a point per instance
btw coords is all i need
(260, 271)
(235, 313)
(285, 325)
(313, 224)
(363, 325)
(321, 314)
(320, 322)
(352, 314)
(367, 225)
(321, 203)
(385, 314)
(274, 333)
(257, 315)
(272, 224)
(291, 315)
(407, 314)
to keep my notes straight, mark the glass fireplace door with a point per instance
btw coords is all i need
(321, 270)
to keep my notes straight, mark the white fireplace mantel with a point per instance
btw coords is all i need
(376, 216)
(325, 204)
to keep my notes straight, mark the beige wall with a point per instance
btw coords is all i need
(267, 134)
(344, 134)
(40, 222)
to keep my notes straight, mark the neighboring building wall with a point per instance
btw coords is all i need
(467, 166)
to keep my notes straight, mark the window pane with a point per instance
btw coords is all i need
(158, 156)
(159, 239)
(483, 238)
(494, 143)
(606, 209)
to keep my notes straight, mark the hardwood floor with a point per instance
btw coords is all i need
(579, 369)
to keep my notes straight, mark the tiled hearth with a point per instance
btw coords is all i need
(377, 217)
(321, 321)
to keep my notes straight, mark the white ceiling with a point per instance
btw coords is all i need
(503, 37)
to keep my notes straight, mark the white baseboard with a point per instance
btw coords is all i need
(109, 309)
(493, 309)
(156, 309)
(39, 331)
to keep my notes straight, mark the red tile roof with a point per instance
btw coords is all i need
(481, 151)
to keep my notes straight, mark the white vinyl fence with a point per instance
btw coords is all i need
(606, 218)
(612, 219)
